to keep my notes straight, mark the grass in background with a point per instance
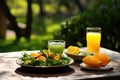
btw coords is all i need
(36, 43)
(43, 27)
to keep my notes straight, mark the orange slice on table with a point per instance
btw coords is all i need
(91, 61)
(103, 58)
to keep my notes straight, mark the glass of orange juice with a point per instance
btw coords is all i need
(93, 37)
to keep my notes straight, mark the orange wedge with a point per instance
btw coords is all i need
(42, 58)
(92, 61)
(56, 57)
(33, 54)
(103, 58)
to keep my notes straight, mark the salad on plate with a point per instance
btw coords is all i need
(44, 59)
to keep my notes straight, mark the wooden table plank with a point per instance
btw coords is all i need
(9, 70)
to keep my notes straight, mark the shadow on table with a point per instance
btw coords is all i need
(47, 72)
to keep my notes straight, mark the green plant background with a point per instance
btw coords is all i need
(105, 14)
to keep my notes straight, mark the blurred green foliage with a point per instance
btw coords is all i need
(36, 43)
(104, 14)
(43, 27)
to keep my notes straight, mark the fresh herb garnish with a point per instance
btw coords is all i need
(86, 53)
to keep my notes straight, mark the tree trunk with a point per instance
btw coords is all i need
(3, 25)
(78, 3)
(29, 20)
(11, 18)
(41, 11)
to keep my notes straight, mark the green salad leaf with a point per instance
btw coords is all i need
(44, 58)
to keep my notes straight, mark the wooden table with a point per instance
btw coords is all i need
(9, 70)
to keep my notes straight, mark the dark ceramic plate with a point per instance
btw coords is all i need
(75, 57)
(19, 62)
(78, 57)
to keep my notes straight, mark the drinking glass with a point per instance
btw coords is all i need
(56, 46)
(93, 36)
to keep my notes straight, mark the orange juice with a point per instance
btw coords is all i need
(93, 41)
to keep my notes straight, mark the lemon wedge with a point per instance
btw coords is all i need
(73, 50)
